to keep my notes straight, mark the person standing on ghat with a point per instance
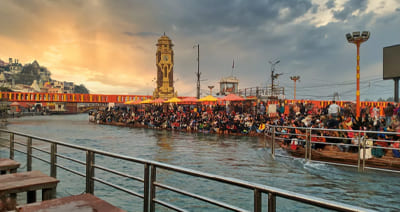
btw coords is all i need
(334, 109)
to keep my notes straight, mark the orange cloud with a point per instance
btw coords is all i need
(88, 50)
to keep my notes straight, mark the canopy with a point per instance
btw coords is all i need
(173, 100)
(159, 100)
(189, 99)
(147, 101)
(15, 104)
(208, 98)
(132, 102)
(232, 97)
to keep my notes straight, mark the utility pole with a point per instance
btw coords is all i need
(273, 76)
(295, 78)
(198, 70)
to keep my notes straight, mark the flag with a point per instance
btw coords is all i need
(233, 64)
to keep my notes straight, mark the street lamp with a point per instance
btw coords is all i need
(357, 38)
(295, 78)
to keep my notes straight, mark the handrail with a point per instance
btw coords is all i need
(150, 182)
(358, 142)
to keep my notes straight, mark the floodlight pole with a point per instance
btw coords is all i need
(358, 43)
(357, 38)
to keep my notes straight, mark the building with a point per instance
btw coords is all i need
(14, 67)
(228, 85)
(69, 87)
(165, 69)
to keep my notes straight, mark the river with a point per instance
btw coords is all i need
(238, 157)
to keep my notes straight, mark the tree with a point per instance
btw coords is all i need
(390, 99)
(80, 89)
(5, 89)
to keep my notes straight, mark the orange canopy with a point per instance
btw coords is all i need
(189, 100)
(159, 100)
(232, 97)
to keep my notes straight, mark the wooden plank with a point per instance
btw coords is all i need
(83, 202)
(8, 164)
(26, 181)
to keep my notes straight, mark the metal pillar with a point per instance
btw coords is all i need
(358, 80)
(146, 188)
(273, 142)
(198, 71)
(12, 146)
(396, 89)
(89, 172)
(29, 155)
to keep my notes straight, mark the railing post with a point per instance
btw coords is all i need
(152, 189)
(310, 144)
(89, 172)
(146, 185)
(12, 146)
(359, 153)
(306, 146)
(364, 143)
(53, 166)
(257, 201)
(271, 202)
(53, 160)
(273, 142)
(29, 154)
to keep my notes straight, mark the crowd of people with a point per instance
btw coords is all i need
(237, 119)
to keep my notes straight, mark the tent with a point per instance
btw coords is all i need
(173, 100)
(132, 102)
(232, 97)
(147, 101)
(208, 98)
(158, 101)
(189, 100)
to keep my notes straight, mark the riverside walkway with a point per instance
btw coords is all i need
(264, 197)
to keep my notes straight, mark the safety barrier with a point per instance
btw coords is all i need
(357, 145)
(149, 178)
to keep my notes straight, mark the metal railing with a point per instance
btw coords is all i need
(360, 143)
(262, 92)
(149, 179)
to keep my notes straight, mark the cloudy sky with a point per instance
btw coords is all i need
(109, 45)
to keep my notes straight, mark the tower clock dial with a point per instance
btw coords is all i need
(165, 58)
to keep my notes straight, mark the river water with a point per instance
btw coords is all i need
(238, 157)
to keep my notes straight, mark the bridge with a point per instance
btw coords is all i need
(69, 97)
(112, 98)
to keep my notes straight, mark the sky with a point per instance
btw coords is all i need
(109, 46)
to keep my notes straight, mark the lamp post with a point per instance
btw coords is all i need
(273, 76)
(211, 87)
(357, 38)
(295, 78)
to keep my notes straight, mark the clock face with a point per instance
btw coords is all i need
(165, 58)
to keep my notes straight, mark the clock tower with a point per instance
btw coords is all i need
(165, 69)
